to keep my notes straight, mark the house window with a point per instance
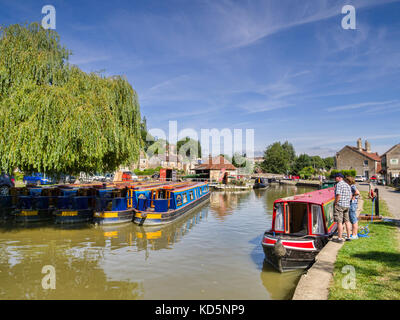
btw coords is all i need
(365, 162)
(394, 161)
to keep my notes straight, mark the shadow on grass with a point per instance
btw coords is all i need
(390, 259)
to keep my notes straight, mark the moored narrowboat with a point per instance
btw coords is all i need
(260, 183)
(75, 205)
(114, 206)
(36, 206)
(301, 226)
(169, 203)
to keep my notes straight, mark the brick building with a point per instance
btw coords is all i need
(215, 168)
(363, 160)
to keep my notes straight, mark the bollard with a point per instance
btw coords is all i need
(376, 202)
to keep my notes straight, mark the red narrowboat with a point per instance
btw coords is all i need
(301, 226)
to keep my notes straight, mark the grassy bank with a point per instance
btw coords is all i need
(376, 261)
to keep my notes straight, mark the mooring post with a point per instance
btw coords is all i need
(376, 202)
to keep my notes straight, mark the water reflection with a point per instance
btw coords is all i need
(281, 286)
(78, 275)
(223, 204)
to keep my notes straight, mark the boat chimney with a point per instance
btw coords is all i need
(359, 144)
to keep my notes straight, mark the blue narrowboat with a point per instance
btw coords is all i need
(114, 206)
(168, 203)
(36, 206)
(260, 183)
(75, 205)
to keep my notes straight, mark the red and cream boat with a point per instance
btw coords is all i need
(301, 226)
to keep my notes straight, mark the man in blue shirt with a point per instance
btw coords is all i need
(343, 197)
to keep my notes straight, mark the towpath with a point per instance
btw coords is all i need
(389, 194)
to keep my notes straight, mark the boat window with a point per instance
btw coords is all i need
(329, 213)
(185, 197)
(279, 217)
(287, 218)
(191, 197)
(200, 191)
(317, 222)
(179, 200)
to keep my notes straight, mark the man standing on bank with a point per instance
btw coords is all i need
(343, 197)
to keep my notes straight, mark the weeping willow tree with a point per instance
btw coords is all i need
(55, 118)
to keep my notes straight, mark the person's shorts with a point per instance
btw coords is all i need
(341, 214)
(353, 212)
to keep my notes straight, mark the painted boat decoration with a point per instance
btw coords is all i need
(260, 183)
(301, 226)
(168, 203)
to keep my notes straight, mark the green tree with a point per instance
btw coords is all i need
(278, 158)
(302, 161)
(189, 148)
(147, 138)
(55, 118)
(317, 162)
(291, 153)
(329, 163)
(306, 172)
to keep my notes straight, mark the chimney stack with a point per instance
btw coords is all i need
(367, 146)
(359, 144)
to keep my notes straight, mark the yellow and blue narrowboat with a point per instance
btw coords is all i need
(37, 206)
(301, 226)
(75, 205)
(260, 183)
(114, 206)
(168, 203)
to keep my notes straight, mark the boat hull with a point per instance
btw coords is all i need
(152, 219)
(73, 216)
(260, 186)
(297, 253)
(113, 217)
(33, 215)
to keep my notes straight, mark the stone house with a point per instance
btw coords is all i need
(391, 163)
(363, 160)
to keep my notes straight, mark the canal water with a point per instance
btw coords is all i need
(213, 253)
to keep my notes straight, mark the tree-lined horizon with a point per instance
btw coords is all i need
(54, 117)
(281, 158)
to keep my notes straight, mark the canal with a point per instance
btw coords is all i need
(213, 253)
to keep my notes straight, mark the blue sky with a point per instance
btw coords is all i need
(286, 69)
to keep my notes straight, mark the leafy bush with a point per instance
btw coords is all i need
(146, 172)
(307, 172)
(351, 173)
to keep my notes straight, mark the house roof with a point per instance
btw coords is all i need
(373, 156)
(391, 149)
(216, 163)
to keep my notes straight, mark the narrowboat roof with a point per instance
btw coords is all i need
(189, 186)
(315, 197)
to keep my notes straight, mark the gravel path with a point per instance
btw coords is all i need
(389, 194)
